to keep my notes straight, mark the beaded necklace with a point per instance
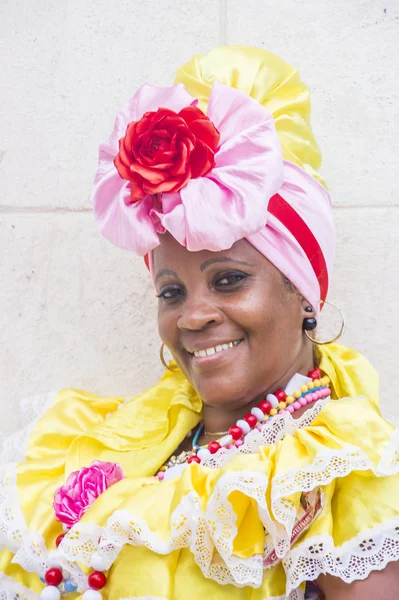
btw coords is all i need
(260, 415)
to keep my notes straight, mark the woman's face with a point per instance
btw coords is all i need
(233, 327)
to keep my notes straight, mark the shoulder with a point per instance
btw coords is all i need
(64, 414)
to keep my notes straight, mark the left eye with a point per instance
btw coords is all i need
(229, 279)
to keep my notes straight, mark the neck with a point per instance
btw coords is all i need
(221, 418)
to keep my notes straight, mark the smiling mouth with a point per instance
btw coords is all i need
(215, 349)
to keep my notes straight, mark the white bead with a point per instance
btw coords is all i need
(203, 453)
(295, 383)
(66, 528)
(52, 560)
(258, 413)
(273, 400)
(226, 439)
(98, 563)
(50, 593)
(92, 595)
(243, 425)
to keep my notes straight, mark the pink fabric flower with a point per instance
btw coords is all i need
(82, 488)
(212, 211)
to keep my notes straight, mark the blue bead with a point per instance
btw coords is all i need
(42, 580)
(69, 586)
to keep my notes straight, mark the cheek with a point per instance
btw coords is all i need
(271, 320)
(257, 311)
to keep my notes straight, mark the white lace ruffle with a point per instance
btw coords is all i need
(29, 548)
(190, 526)
(211, 530)
(32, 409)
(12, 590)
(12, 523)
(369, 551)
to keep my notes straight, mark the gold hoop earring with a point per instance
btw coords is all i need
(163, 361)
(341, 331)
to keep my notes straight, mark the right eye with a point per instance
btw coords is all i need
(171, 293)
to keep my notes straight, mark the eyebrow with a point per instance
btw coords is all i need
(163, 272)
(207, 263)
(212, 261)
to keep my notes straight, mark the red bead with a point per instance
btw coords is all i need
(251, 420)
(97, 580)
(59, 539)
(280, 395)
(194, 459)
(235, 432)
(315, 374)
(265, 406)
(213, 447)
(53, 577)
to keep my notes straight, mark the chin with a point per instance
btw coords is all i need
(230, 391)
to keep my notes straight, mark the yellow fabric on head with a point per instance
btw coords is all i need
(268, 79)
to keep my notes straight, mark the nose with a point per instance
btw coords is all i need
(199, 313)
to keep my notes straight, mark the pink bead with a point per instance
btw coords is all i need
(303, 401)
(259, 427)
(296, 405)
(161, 475)
(238, 443)
(229, 446)
(290, 409)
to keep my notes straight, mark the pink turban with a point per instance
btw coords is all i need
(245, 169)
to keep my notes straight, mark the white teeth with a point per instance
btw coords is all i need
(219, 348)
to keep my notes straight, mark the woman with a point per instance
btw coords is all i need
(259, 467)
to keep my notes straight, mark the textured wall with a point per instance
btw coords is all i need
(75, 311)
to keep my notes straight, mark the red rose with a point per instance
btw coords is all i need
(164, 150)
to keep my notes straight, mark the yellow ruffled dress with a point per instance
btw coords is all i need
(207, 533)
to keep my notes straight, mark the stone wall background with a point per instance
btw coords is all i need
(76, 312)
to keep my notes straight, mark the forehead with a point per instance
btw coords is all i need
(170, 254)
